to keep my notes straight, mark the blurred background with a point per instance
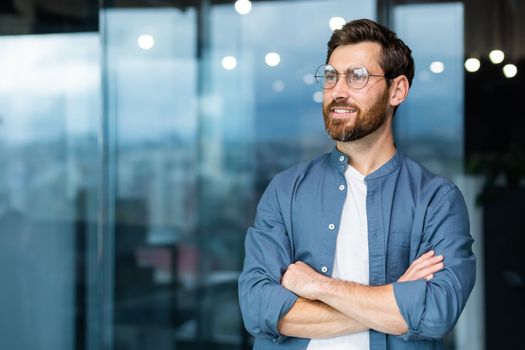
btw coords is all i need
(136, 137)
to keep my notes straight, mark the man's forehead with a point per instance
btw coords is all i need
(364, 53)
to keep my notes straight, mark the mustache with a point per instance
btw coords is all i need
(334, 104)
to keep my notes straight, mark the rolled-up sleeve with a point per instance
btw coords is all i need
(263, 300)
(432, 308)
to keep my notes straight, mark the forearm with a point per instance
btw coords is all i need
(372, 306)
(314, 319)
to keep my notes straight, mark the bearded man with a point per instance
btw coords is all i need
(360, 248)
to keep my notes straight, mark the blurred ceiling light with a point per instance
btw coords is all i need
(229, 62)
(317, 97)
(145, 41)
(278, 85)
(472, 65)
(336, 23)
(510, 70)
(496, 56)
(424, 76)
(272, 59)
(243, 6)
(309, 79)
(437, 67)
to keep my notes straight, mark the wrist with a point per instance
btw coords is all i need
(328, 288)
(320, 287)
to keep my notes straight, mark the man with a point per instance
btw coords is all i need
(361, 248)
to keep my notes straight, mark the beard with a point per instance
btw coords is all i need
(364, 124)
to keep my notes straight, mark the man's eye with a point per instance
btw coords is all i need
(358, 75)
(330, 76)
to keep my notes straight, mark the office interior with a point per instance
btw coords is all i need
(136, 137)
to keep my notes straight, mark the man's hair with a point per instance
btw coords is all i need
(395, 58)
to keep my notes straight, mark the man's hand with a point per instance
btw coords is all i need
(423, 267)
(303, 280)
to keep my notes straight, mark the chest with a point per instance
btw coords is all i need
(392, 221)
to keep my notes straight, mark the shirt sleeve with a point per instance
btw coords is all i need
(263, 300)
(432, 308)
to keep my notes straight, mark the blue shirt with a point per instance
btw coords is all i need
(409, 212)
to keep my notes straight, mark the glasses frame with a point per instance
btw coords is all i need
(348, 80)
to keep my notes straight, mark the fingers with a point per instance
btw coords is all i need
(429, 262)
(427, 271)
(425, 257)
(425, 260)
(423, 267)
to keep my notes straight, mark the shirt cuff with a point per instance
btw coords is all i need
(279, 304)
(410, 297)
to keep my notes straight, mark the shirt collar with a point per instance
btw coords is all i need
(340, 160)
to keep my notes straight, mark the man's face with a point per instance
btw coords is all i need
(351, 114)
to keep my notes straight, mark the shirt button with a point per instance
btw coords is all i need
(331, 227)
(341, 188)
(342, 158)
(324, 269)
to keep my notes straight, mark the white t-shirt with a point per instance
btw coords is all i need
(351, 256)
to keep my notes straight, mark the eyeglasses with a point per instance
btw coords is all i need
(356, 76)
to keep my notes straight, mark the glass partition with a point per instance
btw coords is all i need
(429, 125)
(205, 106)
(49, 124)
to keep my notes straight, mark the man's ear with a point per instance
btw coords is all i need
(399, 90)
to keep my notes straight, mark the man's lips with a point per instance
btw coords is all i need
(342, 112)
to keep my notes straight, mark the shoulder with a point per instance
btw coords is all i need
(284, 185)
(429, 185)
(291, 176)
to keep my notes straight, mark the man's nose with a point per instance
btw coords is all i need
(340, 90)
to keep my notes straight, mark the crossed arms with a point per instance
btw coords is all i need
(329, 307)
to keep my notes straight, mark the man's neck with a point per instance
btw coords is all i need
(369, 153)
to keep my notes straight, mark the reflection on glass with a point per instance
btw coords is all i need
(201, 126)
(146, 41)
(336, 23)
(278, 85)
(429, 125)
(49, 118)
(437, 67)
(272, 59)
(151, 101)
(243, 6)
(229, 62)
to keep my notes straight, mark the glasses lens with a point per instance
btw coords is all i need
(326, 76)
(357, 77)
